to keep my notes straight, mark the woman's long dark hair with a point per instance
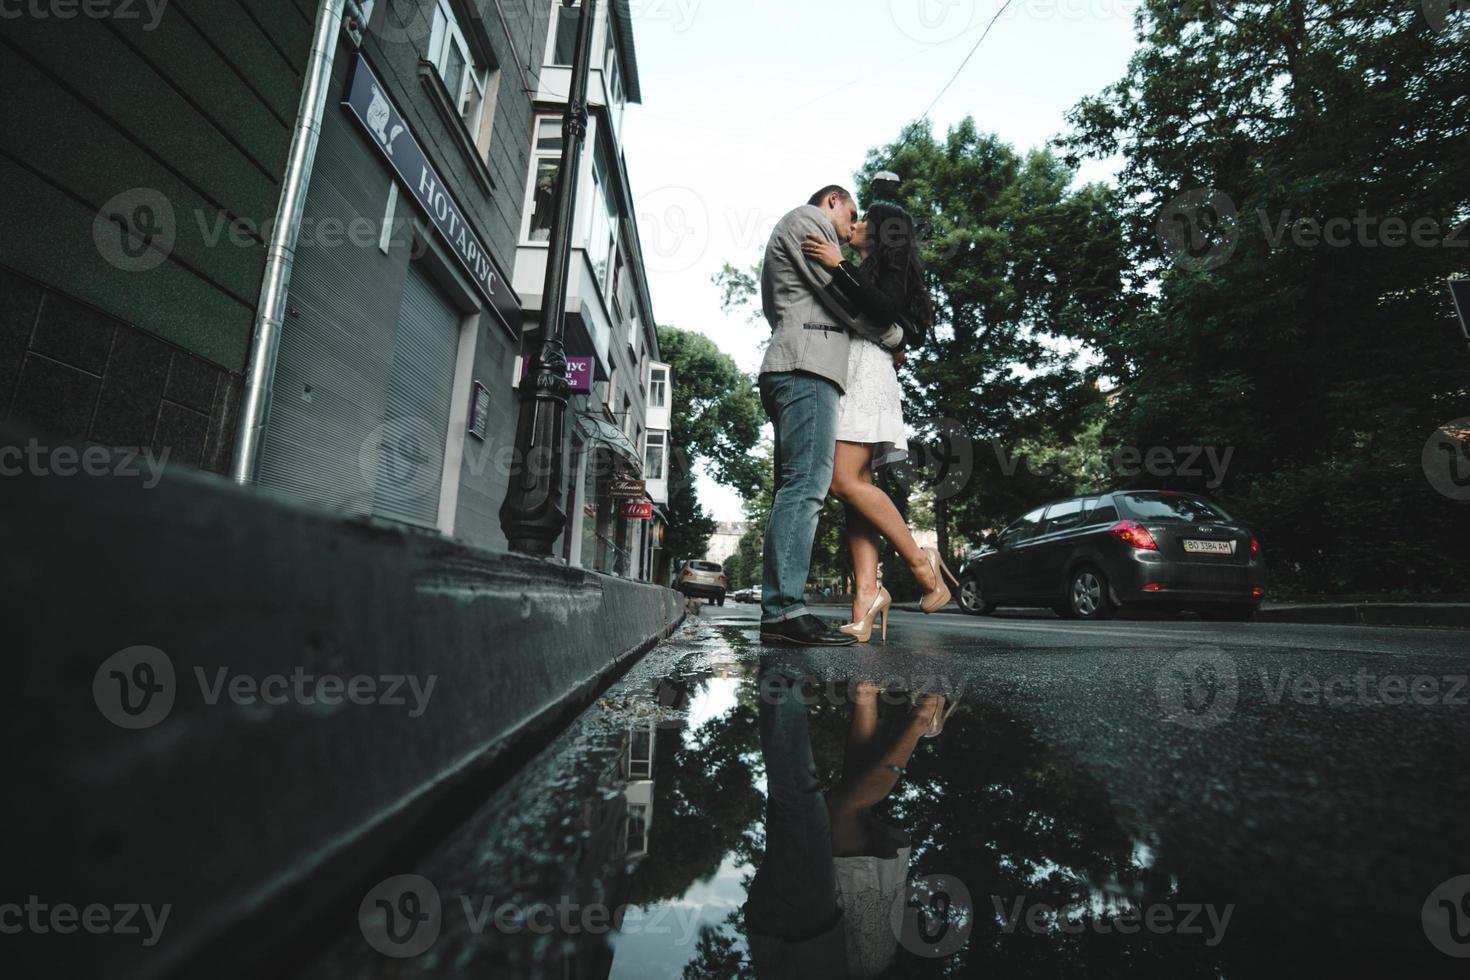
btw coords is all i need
(895, 260)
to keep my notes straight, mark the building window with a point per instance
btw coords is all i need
(612, 389)
(565, 27)
(630, 426)
(613, 70)
(546, 161)
(602, 243)
(658, 388)
(653, 455)
(450, 54)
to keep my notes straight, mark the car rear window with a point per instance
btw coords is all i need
(1178, 507)
(705, 566)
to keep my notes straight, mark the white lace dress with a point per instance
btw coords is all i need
(871, 410)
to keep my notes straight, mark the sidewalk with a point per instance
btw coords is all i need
(1454, 615)
(231, 702)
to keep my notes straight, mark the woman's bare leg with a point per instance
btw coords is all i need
(860, 733)
(862, 544)
(852, 483)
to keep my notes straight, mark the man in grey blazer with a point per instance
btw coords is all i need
(802, 377)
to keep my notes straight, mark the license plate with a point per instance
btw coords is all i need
(1209, 547)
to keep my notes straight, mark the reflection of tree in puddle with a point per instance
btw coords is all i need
(706, 805)
(1023, 827)
(987, 803)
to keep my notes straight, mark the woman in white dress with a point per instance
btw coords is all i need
(889, 288)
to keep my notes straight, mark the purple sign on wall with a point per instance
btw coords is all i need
(579, 372)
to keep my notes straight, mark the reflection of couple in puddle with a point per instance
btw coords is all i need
(822, 899)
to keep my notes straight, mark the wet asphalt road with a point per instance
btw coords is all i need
(1252, 799)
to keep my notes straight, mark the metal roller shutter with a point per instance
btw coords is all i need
(416, 417)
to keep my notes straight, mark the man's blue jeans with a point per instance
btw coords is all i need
(803, 411)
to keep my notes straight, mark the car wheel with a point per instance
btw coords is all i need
(1087, 595)
(971, 599)
(721, 600)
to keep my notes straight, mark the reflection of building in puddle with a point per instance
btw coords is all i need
(638, 771)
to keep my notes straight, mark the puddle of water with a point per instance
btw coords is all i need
(769, 816)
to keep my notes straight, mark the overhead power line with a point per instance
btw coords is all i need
(1004, 7)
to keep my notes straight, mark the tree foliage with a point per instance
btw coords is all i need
(716, 419)
(1325, 366)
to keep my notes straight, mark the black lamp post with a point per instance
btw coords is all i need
(532, 515)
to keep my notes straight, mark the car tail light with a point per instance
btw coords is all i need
(1257, 592)
(1135, 534)
(1153, 587)
(1255, 547)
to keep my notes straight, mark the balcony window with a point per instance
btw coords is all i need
(654, 453)
(612, 70)
(546, 164)
(602, 242)
(658, 388)
(450, 54)
(564, 25)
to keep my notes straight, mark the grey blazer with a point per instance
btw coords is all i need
(810, 322)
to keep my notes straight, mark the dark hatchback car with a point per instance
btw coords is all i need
(1084, 557)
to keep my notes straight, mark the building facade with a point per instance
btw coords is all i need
(616, 445)
(147, 165)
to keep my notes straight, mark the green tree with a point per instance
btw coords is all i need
(1018, 262)
(1324, 366)
(716, 420)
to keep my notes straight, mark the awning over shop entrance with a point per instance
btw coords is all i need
(596, 429)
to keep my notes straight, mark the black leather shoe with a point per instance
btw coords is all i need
(804, 631)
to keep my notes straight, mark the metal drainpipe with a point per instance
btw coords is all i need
(281, 253)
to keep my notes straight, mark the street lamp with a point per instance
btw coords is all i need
(532, 516)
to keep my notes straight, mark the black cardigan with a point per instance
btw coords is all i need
(882, 301)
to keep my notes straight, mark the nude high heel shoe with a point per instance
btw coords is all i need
(863, 628)
(939, 598)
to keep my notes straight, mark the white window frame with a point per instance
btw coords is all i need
(655, 439)
(538, 157)
(446, 36)
(553, 32)
(658, 376)
(612, 69)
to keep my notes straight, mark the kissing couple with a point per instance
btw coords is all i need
(829, 383)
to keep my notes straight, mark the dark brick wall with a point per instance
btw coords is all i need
(75, 372)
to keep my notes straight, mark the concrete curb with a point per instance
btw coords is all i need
(237, 813)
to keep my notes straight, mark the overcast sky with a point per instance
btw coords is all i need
(749, 107)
